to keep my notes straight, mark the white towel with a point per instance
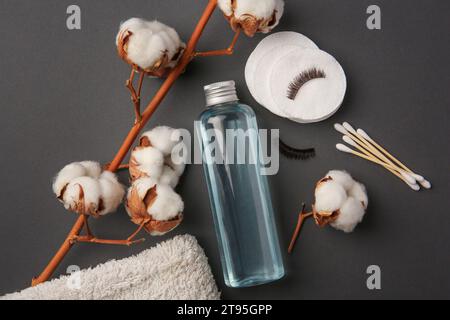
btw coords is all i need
(176, 269)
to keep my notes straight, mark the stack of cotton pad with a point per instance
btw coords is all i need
(279, 76)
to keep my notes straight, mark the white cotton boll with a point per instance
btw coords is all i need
(169, 177)
(343, 178)
(167, 205)
(143, 185)
(179, 165)
(148, 155)
(151, 170)
(226, 7)
(133, 25)
(253, 15)
(93, 168)
(149, 43)
(110, 176)
(359, 192)
(67, 174)
(145, 49)
(261, 9)
(149, 160)
(330, 196)
(351, 213)
(90, 190)
(279, 8)
(163, 138)
(112, 192)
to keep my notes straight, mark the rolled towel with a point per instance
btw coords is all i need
(176, 269)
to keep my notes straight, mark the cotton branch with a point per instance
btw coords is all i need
(172, 76)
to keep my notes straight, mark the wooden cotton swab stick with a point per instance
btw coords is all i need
(353, 139)
(426, 184)
(344, 148)
(388, 166)
(366, 144)
(382, 153)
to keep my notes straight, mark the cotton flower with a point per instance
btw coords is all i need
(83, 188)
(155, 205)
(162, 138)
(252, 15)
(350, 214)
(342, 177)
(146, 162)
(149, 45)
(330, 195)
(340, 201)
(169, 177)
(358, 191)
(156, 156)
(155, 172)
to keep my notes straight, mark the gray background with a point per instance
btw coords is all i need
(62, 99)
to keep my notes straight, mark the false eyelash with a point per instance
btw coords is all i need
(297, 154)
(300, 80)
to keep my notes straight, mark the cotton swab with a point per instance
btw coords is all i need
(352, 138)
(363, 134)
(403, 173)
(343, 148)
(348, 130)
(366, 144)
(425, 183)
(361, 137)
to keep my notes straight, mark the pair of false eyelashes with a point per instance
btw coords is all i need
(295, 153)
(292, 92)
(302, 79)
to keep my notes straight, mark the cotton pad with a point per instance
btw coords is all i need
(269, 43)
(261, 77)
(317, 99)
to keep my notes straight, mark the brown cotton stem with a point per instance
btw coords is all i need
(86, 223)
(88, 239)
(135, 96)
(139, 229)
(223, 52)
(62, 252)
(188, 55)
(301, 219)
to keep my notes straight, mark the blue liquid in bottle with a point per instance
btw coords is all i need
(238, 191)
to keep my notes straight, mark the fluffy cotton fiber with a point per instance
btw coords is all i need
(156, 205)
(155, 173)
(146, 162)
(83, 188)
(169, 177)
(358, 191)
(330, 195)
(253, 15)
(151, 45)
(338, 193)
(168, 204)
(351, 213)
(112, 192)
(157, 156)
(163, 138)
(343, 178)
